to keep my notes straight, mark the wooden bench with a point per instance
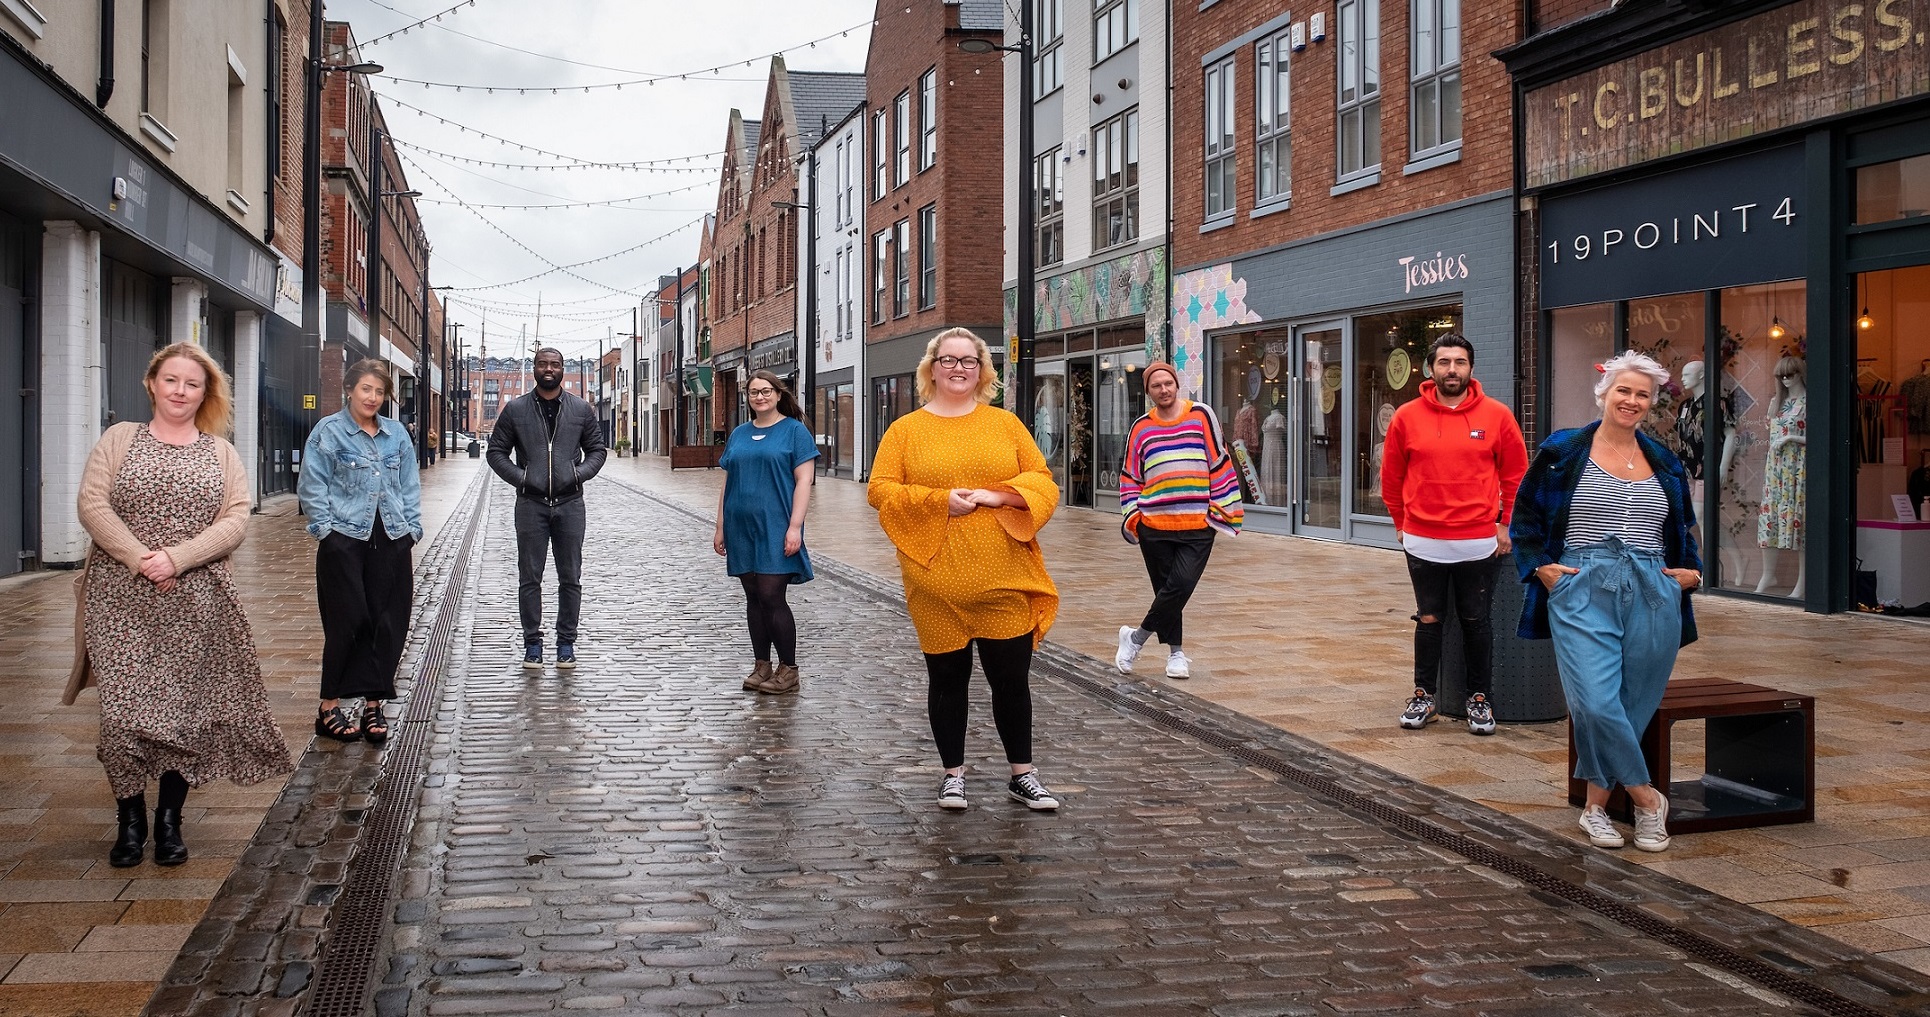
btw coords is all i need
(695, 457)
(1759, 757)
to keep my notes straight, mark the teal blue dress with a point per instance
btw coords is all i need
(758, 488)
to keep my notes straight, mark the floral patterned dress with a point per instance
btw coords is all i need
(180, 685)
(1779, 523)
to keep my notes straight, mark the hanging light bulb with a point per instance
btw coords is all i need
(1776, 329)
(1864, 322)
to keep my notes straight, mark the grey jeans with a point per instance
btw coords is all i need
(539, 528)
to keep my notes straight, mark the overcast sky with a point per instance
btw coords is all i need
(511, 44)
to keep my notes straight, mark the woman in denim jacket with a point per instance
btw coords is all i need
(363, 497)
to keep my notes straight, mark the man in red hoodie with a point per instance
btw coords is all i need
(1450, 468)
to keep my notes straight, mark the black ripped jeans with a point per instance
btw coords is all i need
(1468, 589)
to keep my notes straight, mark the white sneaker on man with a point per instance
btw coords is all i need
(1179, 665)
(1128, 650)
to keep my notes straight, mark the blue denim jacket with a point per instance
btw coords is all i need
(347, 476)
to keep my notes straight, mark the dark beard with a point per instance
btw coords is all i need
(549, 386)
(1452, 387)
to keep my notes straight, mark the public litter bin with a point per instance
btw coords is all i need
(1527, 685)
(475, 449)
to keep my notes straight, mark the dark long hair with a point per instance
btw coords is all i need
(786, 402)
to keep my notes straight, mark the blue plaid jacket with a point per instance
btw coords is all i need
(1541, 518)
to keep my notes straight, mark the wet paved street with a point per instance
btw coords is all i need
(641, 836)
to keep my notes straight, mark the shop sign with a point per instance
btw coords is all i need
(1802, 62)
(1728, 223)
(1421, 273)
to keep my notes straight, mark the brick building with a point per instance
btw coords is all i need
(1342, 195)
(931, 184)
(497, 380)
(755, 242)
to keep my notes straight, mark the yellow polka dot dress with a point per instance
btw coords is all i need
(980, 575)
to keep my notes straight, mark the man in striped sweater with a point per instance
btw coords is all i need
(1176, 488)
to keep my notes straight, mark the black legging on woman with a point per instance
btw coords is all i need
(1008, 668)
(769, 615)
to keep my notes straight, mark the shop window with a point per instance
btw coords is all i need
(1251, 372)
(1891, 433)
(1758, 461)
(891, 398)
(1390, 355)
(1578, 339)
(1890, 191)
(1672, 329)
(1221, 162)
(1121, 398)
(1049, 417)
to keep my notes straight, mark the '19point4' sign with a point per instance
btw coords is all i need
(1808, 60)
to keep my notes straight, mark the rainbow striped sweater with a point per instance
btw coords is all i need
(1179, 475)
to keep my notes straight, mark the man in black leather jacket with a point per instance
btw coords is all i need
(547, 444)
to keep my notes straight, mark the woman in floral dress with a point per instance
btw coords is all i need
(181, 697)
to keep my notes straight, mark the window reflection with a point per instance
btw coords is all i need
(1390, 353)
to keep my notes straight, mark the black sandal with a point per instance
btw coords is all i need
(375, 727)
(337, 723)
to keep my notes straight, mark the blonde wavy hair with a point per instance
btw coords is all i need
(988, 379)
(216, 415)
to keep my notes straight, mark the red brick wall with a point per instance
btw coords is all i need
(966, 182)
(1486, 163)
(1549, 14)
(285, 190)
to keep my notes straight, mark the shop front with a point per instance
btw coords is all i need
(1306, 351)
(1781, 279)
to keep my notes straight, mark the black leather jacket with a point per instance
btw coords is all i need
(549, 467)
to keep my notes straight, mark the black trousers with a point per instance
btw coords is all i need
(1466, 588)
(541, 527)
(1008, 670)
(1175, 561)
(365, 590)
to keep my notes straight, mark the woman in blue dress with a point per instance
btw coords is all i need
(768, 471)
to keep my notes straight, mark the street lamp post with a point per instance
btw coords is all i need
(808, 388)
(312, 209)
(1025, 312)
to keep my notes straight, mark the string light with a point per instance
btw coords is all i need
(408, 28)
(466, 129)
(627, 167)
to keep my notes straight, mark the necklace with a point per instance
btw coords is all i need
(1628, 458)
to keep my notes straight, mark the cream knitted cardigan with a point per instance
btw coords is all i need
(111, 535)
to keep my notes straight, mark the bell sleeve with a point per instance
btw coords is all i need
(914, 517)
(1033, 483)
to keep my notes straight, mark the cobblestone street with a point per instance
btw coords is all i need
(642, 836)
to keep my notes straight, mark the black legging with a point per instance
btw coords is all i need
(1008, 667)
(770, 617)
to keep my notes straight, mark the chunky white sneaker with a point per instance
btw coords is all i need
(1600, 829)
(1128, 650)
(1652, 828)
(951, 794)
(1179, 665)
(1480, 715)
(1419, 712)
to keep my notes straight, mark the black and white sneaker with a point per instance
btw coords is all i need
(1420, 711)
(1026, 788)
(1480, 715)
(951, 794)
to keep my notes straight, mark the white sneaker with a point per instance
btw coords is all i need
(1601, 831)
(1652, 828)
(1128, 650)
(1179, 665)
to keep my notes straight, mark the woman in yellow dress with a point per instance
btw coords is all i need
(962, 491)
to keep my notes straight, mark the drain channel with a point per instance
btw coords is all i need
(361, 915)
(1067, 665)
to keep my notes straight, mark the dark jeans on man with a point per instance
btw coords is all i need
(1467, 588)
(539, 527)
(1175, 561)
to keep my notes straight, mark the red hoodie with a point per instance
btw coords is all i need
(1450, 472)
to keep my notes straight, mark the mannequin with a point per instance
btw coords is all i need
(1779, 524)
(1691, 421)
(1273, 457)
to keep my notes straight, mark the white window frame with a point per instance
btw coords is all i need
(881, 158)
(1434, 77)
(928, 257)
(1049, 191)
(1219, 188)
(1115, 180)
(1115, 26)
(901, 269)
(880, 271)
(1357, 90)
(901, 114)
(928, 120)
(1272, 120)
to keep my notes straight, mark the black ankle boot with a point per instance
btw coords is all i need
(131, 840)
(168, 849)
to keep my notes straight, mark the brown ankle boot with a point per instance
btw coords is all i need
(783, 681)
(758, 676)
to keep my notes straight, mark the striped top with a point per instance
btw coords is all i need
(1605, 506)
(1179, 475)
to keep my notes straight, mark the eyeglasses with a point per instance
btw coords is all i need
(756, 392)
(951, 363)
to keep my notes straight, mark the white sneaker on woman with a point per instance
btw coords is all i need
(1652, 828)
(1600, 829)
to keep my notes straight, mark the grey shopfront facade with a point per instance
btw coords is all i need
(1305, 351)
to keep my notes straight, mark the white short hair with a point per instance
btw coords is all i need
(1621, 363)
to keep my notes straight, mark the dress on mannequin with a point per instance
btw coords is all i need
(1779, 523)
(1273, 458)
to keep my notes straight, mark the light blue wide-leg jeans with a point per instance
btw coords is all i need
(1617, 625)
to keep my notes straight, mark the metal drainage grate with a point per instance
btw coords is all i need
(1067, 665)
(355, 928)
